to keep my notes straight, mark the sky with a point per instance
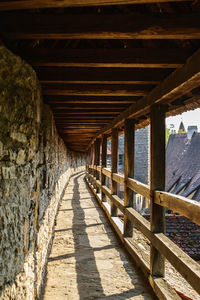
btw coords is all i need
(188, 118)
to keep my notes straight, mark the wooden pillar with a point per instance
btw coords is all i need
(157, 182)
(129, 149)
(91, 155)
(93, 160)
(103, 163)
(114, 163)
(90, 160)
(97, 159)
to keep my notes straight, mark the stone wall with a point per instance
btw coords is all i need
(35, 166)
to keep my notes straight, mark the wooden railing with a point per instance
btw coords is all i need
(161, 247)
(186, 266)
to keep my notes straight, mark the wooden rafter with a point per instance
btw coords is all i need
(106, 92)
(101, 75)
(33, 4)
(98, 26)
(129, 58)
(96, 90)
(58, 100)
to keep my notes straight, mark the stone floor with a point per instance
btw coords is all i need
(87, 260)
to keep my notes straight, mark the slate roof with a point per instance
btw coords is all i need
(183, 165)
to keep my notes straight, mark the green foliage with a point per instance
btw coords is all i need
(167, 134)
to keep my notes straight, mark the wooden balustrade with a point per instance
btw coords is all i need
(185, 265)
(162, 247)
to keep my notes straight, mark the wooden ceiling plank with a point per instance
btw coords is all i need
(78, 126)
(116, 58)
(99, 26)
(107, 107)
(96, 90)
(103, 101)
(77, 113)
(74, 122)
(84, 117)
(35, 4)
(101, 75)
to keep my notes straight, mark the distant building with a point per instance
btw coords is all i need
(183, 164)
(190, 131)
(181, 128)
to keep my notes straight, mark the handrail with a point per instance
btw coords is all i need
(182, 205)
(186, 207)
(118, 178)
(106, 172)
(139, 187)
(185, 265)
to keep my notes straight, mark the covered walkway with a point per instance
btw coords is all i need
(87, 260)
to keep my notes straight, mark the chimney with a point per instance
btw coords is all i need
(190, 131)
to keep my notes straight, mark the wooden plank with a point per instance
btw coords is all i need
(65, 113)
(139, 187)
(81, 126)
(103, 163)
(86, 107)
(114, 167)
(157, 181)
(99, 26)
(88, 100)
(118, 178)
(114, 58)
(161, 288)
(106, 172)
(35, 4)
(81, 123)
(77, 130)
(189, 208)
(113, 198)
(83, 118)
(98, 168)
(179, 260)
(118, 202)
(184, 264)
(101, 75)
(96, 90)
(129, 152)
(139, 221)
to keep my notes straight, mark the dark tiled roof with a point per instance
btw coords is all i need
(183, 165)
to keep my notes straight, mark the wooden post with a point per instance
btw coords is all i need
(129, 150)
(90, 161)
(103, 163)
(157, 182)
(97, 159)
(114, 165)
(93, 159)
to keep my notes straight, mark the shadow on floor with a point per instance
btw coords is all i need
(88, 277)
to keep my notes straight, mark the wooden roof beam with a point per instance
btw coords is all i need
(96, 90)
(35, 4)
(179, 83)
(116, 58)
(101, 75)
(57, 100)
(99, 26)
(86, 108)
